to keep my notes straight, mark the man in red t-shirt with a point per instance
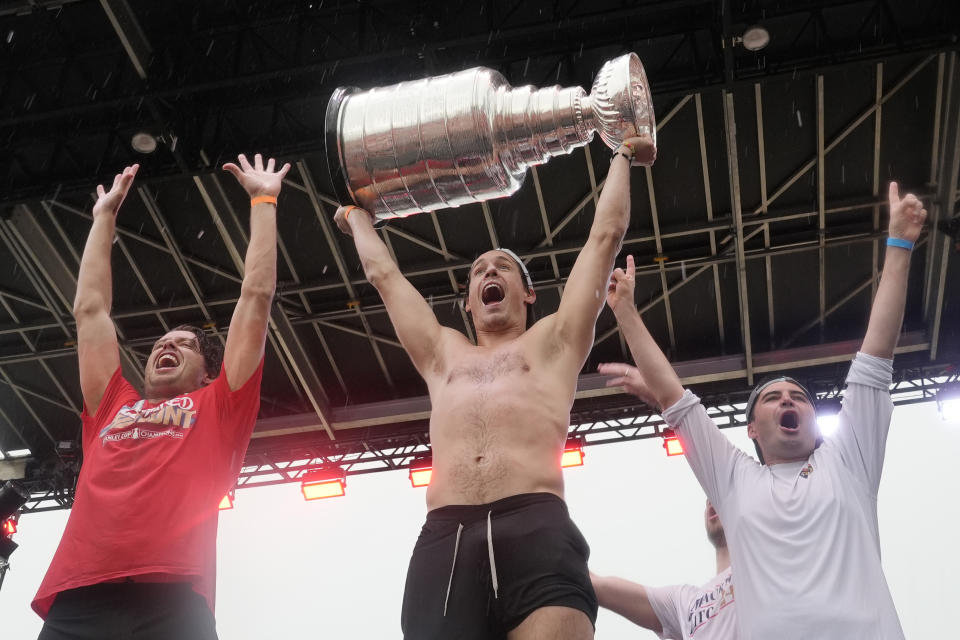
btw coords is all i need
(138, 556)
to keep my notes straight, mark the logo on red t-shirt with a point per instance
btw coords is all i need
(172, 417)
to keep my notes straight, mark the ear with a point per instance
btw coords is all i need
(751, 432)
(207, 379)
(531, 296)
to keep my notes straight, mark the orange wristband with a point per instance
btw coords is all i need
(346, 212)
(261, 199)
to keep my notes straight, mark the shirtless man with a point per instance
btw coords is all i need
(683, 611)
(498, 556)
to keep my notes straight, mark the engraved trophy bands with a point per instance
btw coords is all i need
(469, 136)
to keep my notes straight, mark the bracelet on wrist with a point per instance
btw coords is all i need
(900, 243)
(262, 199)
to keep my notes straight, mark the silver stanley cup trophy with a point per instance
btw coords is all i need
(469, 136)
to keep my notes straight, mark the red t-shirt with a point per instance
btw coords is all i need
(152, 478)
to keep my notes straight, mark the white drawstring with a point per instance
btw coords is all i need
(453, 564)
(493, 564)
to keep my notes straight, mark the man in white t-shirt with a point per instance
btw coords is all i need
(684, 611)
(802, 524)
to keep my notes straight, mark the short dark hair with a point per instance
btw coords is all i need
(210, 348)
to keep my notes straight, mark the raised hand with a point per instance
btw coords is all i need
(907, 215)
(620, 288)
(257, 180)
(341, 217)
(630, 379)
(644, 150)
(108, 202)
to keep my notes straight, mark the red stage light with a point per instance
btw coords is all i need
(226, 502)
(9, 527)
(330, 483)
(420, 477)
(572, 454)
(421, 470)
(671, 443)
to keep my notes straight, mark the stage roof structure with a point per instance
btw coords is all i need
(758, 234)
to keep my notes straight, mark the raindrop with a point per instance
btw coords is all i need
(799, 120)
(324, 272)
(526, 66)
(209, 48)
(200, 235)
(683, 272)
(9, 36)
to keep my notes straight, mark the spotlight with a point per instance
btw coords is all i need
(671, 443)
(12, 497)
(572, 454)
(143, 142)
(226, 503)
(948, 402)
(324, 483)
(421, 470)
(755, 38)
(828, 415)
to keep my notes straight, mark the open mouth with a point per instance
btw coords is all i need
(790, 420)
(167, 361)
(491, 293)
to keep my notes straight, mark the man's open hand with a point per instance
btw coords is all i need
(258, 180)
(108, 202)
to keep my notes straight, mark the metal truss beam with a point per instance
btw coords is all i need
(364, 451)
(947, 170)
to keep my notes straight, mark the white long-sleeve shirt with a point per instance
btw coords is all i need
(803, 536)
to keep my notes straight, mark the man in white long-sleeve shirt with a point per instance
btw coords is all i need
(802, 525)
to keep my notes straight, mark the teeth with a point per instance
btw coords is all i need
(166, 361)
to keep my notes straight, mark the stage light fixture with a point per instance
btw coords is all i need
(671, 443)
(421, 470)
(9, 527)
(828, 415)
(12, 497)
(18, 453)
(143, 142)
(572, 454)
(755, 38)
(324, 483)
(948, 402)
(226, 503)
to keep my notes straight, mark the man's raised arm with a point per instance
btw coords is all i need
(97, 348)
(248, 326)
(414, 321)
(628, 599)
(886, 316)
(653, 380)
(582, 300)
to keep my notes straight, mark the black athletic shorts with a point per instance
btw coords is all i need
(478, 571)
(130, 611)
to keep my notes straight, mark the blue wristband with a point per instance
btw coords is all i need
(898, 242)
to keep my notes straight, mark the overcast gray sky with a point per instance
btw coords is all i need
(335, 568)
